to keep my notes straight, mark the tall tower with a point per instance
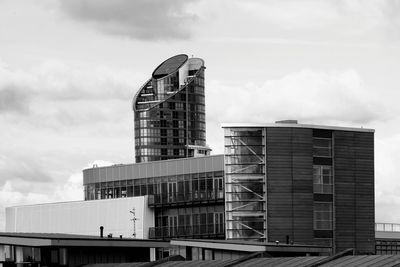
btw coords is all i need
(169, 112)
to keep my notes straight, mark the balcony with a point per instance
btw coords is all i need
(194, 198)
(211, 231)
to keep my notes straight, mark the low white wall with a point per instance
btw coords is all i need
(83, 217)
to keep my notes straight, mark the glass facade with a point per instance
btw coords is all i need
(193, 222)
(245, 187)
(186, 205)
(169, 111)
(162, 190)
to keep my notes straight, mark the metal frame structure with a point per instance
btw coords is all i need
(245, 189)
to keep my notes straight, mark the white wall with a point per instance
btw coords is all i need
(183, 73)
(83, 217)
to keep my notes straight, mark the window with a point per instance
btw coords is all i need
(322, 216)
(322, 147)
(219, 222)
(323, 179)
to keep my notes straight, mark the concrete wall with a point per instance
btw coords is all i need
(83, 217)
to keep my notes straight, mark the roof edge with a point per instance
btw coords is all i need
(294, 125)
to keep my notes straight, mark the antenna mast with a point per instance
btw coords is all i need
(134, 219)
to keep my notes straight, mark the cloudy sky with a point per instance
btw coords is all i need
(69, 70)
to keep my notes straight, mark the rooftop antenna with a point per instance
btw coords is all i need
(134, 219)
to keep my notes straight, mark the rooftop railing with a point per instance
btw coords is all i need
(387, 227)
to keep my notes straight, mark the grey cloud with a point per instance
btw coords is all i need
(13, 99)
(138, 19)
(56, 94)
(24, 169)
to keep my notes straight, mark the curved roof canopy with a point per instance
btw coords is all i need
(169, 66)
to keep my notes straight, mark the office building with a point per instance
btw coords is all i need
(305, 184)
(186, 195)
(169, 112)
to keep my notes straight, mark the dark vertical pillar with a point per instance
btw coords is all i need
(302, 171)
(344, 171)
(290, 185)
(365, 201)
(279, 184)
(354, 191)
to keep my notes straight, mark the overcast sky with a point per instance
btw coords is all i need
(69, 70)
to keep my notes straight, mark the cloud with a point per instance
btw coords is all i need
(308, 21)
(139, 19)
(55, 93)
(60, 80)
(309, 96)
(13, 99)
(15, 93)
(23, 168)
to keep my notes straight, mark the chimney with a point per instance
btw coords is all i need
(101, 231)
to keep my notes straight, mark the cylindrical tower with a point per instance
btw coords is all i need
(169, 112)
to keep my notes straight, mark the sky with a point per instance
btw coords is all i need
(69, 71)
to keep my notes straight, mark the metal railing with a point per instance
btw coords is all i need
(165, 199)
(387, 227)
(204, 230)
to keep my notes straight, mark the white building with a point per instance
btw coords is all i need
(84, 217)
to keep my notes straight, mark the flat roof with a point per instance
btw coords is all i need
(153, 169)
(70, 240)
(249, 246)
(295, 125)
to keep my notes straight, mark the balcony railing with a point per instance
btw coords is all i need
(192, 231)
(185, 199)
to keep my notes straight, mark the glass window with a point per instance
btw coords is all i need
(322, 216)
(322, 147)
(323, 179)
